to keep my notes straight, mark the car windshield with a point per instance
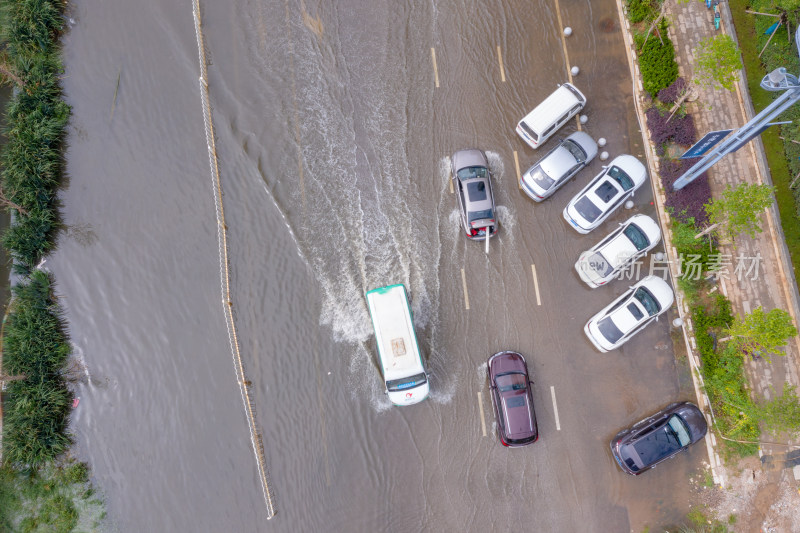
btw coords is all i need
(576, 151)
(529, 131)
(637, 237)
(647, 300)
(468, 173)
(541, 178)
(476, 190)
(587, 209)
(679, 430)
(511, 381)
(478, 215)
(606, 191)
(623, 179)
(406, 383)
(609, 330)
(599, 264)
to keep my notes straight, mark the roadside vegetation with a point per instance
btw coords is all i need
(41, 488)
(698, 223)
(781, 143)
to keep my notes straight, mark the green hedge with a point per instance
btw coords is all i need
(641, 10)
(35, 346)
(656, 60)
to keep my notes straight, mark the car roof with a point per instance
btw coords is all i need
(479, 205)
(554, 105)
(618, 250)
(558, 162)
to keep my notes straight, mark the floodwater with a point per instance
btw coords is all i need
(333, 142)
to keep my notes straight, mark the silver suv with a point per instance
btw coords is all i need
(473, 186)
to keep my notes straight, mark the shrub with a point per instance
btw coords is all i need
(723, 372)
(689, 202)
(639, 10)
(671, 94)
(663, 129)
(657, 61)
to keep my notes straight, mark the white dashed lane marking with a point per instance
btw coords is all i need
(555, 407)
(536, 285)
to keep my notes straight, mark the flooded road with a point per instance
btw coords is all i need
(333, 141)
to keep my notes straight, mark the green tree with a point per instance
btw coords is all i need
(738, 209)
(717, 62)
(782, 413)
(760, 333)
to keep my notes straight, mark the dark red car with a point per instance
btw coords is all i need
(512, 399)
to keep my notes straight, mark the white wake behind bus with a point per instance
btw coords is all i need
(403, 371)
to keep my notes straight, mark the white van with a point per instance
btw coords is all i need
(550, 115)
(403, 372)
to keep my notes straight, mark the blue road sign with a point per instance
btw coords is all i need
(705, 144)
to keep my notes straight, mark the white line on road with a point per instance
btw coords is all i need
(464, 283)
(480, 404)
(451, 185)
(435, 69)
(555, 407)
(536, 285)
(516, 164)
(502, 68)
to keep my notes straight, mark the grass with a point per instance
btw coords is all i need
(57, 498)
(751, 38)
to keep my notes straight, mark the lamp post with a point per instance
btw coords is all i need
(777, 80)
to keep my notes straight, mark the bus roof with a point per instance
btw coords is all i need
(394, 332)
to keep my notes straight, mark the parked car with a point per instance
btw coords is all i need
(559, 165)
(550, 115)
(630, 241)
(605, 193)
(658, 437)
(512, 399)
(473, 187)
(630, 313)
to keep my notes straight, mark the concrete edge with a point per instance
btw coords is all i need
(659, 198)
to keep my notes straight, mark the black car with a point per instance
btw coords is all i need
(512, 399)
(658, 437)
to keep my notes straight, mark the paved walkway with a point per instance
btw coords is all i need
(773, 286)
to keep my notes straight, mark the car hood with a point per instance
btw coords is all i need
(695, 419)
(503, 363)
(469, 158)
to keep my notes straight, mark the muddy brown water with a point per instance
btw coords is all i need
(333, 143)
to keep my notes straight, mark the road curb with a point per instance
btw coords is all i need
(715, 463)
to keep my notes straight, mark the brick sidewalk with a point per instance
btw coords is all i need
(772, 288)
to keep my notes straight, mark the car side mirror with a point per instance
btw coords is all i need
(386, 391)
(604, 166)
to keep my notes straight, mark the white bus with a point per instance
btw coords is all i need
(403, 371)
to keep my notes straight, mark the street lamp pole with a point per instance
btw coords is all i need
(777, 80)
